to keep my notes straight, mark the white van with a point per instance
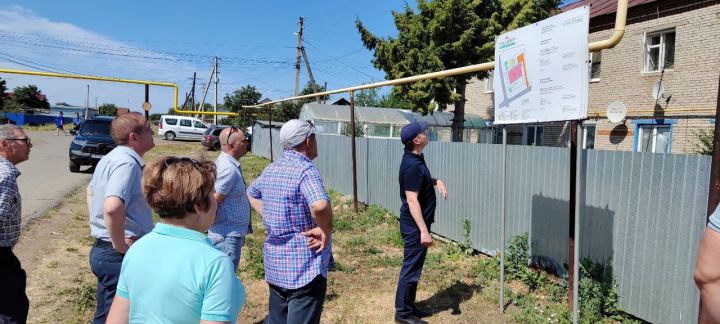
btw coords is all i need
(181, 127)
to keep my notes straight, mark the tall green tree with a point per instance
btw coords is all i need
(446, 34)
(107, 109)
(245, 96)
(367, 98)
(31, 97)
(310, 89)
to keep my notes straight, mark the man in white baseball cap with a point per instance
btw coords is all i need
(290, 197)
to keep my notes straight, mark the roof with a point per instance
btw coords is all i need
(315, 111)
(265, 123)
(342, 113)
(444, 119)
(602, 7)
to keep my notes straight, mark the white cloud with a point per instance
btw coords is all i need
(61, 47)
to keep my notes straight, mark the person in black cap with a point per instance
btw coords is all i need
(417, 213)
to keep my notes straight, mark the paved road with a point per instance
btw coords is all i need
(45, 178)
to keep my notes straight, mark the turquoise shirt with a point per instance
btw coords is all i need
(175, 275)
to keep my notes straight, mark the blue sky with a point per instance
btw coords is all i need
(163, 41)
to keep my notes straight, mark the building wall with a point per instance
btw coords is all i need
(691, 87)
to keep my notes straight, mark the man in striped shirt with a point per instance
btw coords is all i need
(14, 148)
(232, 218)
(296, 212)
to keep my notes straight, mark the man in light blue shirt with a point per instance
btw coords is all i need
(118, 212)
(232, 219)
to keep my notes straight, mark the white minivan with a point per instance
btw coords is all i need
(181, 127)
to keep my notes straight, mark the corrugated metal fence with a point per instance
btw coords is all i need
(643, 213)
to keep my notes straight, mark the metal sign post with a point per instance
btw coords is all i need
(504, 217)
(354, 156)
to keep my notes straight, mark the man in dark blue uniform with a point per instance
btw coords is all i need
(417, 213)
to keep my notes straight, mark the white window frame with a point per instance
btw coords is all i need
(590, 65)
(488, 83)
(585, 134)
(653, 147)
(535, 128)
(661, 49)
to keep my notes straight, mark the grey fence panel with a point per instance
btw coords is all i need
(642, 214)
(261, 142)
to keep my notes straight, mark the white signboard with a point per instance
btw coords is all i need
(541, 70)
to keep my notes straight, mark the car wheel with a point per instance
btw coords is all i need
(74, 166)
(169, 136)
(216, 146)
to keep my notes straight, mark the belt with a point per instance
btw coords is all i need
(103, 243)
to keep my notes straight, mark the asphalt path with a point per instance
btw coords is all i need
(45, 178)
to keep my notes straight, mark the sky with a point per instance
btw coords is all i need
(168, 41)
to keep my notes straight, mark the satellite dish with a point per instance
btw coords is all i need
(616, 111)
(658, 90)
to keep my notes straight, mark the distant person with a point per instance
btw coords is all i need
(707, 271)
(14, 149)
(417, 213)
(174, 274)
(296, 212)
(233, 214)
(77, 120)
(59, 124)
(118, 212)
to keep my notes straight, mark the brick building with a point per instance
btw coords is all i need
(677, 41)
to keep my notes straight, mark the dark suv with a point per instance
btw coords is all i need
(92, 141)
(211, 137)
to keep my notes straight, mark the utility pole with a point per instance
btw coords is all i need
(87, 102)
(215, 119)
(298, 53)
(207, 87)
(312, 79)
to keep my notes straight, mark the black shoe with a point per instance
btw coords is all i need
(412, 319)
(421, 313)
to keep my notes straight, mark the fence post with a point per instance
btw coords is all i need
(352, 147)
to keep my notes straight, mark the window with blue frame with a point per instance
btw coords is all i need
(653, 136)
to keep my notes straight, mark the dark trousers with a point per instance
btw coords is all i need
(413, 260)
(14, 303)
(105, 264)
(300, 305)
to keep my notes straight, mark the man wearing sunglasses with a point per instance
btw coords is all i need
(232, 219)
(14, 148)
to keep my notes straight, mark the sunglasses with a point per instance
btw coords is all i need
(234, 129)
(26, 140)
(172, 160)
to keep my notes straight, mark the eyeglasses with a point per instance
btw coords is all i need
(26, 140)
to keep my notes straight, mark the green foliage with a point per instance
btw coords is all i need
(107, 109)
(486, 269)
(446, 34)
(245, 96)
(3, 89)
(518, 255)
(359, 129)
(367, 98)
(466, 244)
(396, 100)
(311, 88)
(254, 266)
(30, 96)
(82, 295)
(598, 293)
(704, 141)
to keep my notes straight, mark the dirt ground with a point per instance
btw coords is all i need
(54, 251)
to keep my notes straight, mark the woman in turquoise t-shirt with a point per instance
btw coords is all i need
(174, 274)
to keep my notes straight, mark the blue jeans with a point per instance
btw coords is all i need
(105, 264)
(301, 305)
(413, 260)
(230, 245)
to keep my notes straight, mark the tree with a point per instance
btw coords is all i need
(367, 98)
(3, 89)
(446, 34)
(245, 96)
(704, 141)
(107, 109)
(310, 89)
(393, 100)
(30, 96)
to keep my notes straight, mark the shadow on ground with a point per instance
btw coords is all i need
(449, 298)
